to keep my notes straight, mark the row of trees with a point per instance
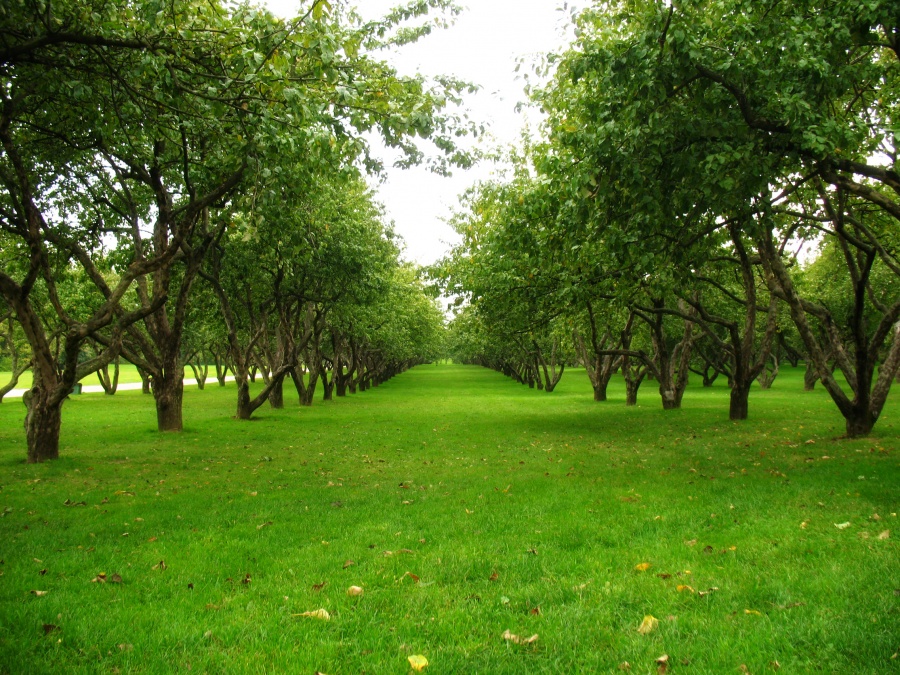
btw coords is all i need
(190, 175)
(716, 186)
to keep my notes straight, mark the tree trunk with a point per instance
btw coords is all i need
(307, 399)
(145, 381)
(42, 426)
(168, 391)
(810, 377)
(244, 408)
(860, 422)
(109, 384)
(276, 396)
(740, 402)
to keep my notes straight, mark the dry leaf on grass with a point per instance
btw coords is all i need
(885, 535)
(49, 628)
(662, 664)
(684, 587)
(643, 567)
(752, 611)
(516, 639)
(417, 662)
(39, 593)
(161, 565)
(354, 591)
(842, 526)
(348, 563)
(648, 624)
(316, 614)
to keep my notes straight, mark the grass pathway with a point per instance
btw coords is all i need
(464, 505)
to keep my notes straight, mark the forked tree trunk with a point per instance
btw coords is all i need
(109, 383)
(276, 396)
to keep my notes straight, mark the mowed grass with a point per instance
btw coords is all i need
(127, 374)
(464, 505)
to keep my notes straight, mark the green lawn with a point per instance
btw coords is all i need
(464, 505)
(127, 373)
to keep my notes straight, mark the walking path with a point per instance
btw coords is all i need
(123, 386)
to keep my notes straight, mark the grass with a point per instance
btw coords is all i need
(127, 374)
(514, 509)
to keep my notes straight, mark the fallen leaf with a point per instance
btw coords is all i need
(151, 539)
(535, 610)
(708, 549)
(417, 662)
(246, 580)
(116, 579)
(708, 591)
(412, 576)
(348, 563)
(43, 572)
(624, 666)
(319, 587)
(885, 535)
(354, 591)
(49, 628)
(842, 526)
(775, 665)
(39, 593)
(100, 578)
(125, 647)
(262, 525)
(662, 664)
(664, 576)
(752, 611)
(804, 524)
(684, 587)
(692, 542)
(494, 576)
(316, 614)
(512, 637)
(643, 567)
(406, 550)
(648, 624)
(161, 566)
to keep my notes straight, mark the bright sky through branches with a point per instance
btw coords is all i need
(482, 47)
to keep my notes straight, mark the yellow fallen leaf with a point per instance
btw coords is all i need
(648, 624)
(842, 526)
(885, 535)
(354, 590)
(684, 587)
(39, 593)
(752, 611)
(643, 567)
(316, 614)
(417, 662)
(512, 637)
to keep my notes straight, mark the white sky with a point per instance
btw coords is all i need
(481, 47)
